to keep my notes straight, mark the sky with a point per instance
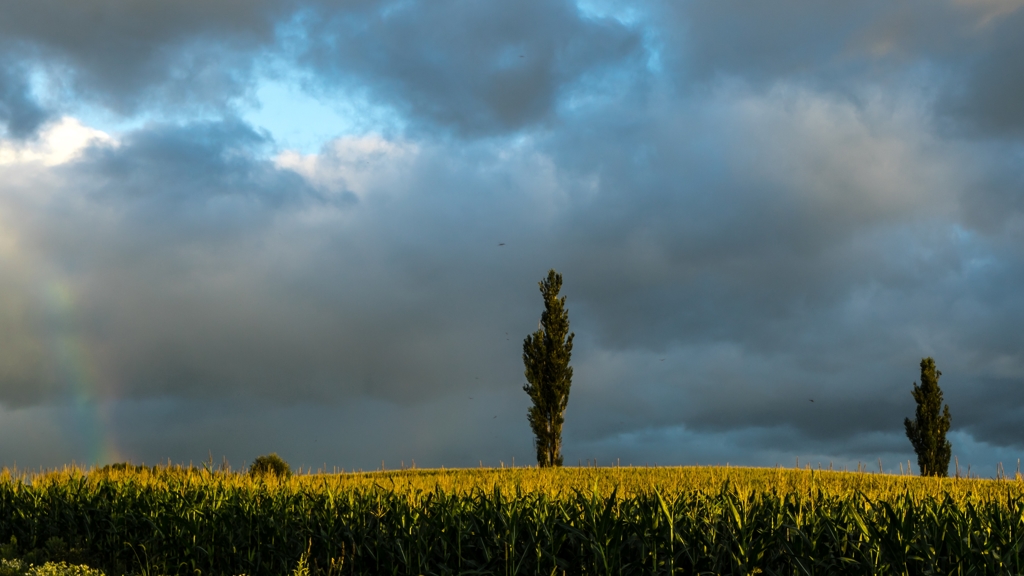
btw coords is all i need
(316, 228)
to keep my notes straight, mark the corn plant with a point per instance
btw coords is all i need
(175, 520)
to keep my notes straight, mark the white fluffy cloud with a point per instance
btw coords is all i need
(58, 143)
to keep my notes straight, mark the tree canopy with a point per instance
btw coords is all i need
(927, 432)
(546, 355)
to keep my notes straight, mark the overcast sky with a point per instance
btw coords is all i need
(231, 227)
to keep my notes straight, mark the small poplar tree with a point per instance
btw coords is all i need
(546, 354)
(927, 432)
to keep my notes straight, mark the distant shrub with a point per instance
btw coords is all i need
(124, 467)
(270, 464)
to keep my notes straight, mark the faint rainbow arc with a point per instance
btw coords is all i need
(68, 356)
(76, 370)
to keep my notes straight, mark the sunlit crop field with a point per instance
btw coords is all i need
(519, 521)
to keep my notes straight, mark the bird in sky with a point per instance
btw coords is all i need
(811, 399)
(501, 243)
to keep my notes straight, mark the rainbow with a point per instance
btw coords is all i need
(68, 358)
(77, 375)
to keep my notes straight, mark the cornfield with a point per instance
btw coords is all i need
(694, 520)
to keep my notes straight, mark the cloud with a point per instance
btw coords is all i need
(989, 11)
(20, 113)
(198, 267)
(964, 54)
(792, 256)
(752, 208)
(60, 142)
(129, 56)
(985, 96)
(794, 189)
(472, 68)
(486, 70)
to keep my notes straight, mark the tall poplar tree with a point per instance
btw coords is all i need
(546, 355)
(927, 432)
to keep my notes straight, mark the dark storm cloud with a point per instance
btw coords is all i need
(967, 54)
(127, 55)
(195, 166)
(24, 377)
(20, 113)
(990, 88)
(821, 277)
(803, 271)
(762, 42)
(200, 268)
(771, 210)
(488, 68)
(804, 212)
(477, 68)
